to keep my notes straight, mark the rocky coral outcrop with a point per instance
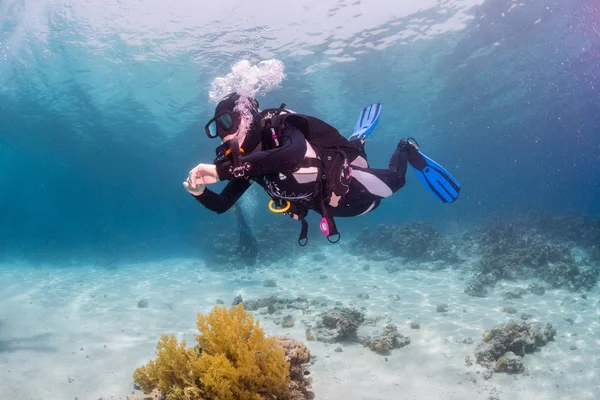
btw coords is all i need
(510, 363)
(385, 342)
(298, 356)
(342, 325)
(504, 346)
(338, 325)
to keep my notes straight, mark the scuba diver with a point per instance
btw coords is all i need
(305, 164)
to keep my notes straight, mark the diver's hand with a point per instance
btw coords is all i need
(199, 177)
(196, 190)
(206, 172)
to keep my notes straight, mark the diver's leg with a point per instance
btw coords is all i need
(368, 186)
(380, 183)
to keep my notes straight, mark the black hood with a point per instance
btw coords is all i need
(253, 136)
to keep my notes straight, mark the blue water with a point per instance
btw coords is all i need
(102, 109)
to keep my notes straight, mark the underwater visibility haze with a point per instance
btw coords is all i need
(103, 106)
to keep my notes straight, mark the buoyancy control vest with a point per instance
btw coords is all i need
(333, 156)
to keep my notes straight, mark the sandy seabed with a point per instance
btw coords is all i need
(77, 332)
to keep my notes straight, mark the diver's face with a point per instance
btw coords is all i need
(229, 137)
(240, 133)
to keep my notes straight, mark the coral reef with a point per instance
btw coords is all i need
(569, 228)
(418, 241)
(504, 346)
(385, 342)
(529, 249)
(232, 360)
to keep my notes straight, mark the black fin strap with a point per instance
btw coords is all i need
(303, 239)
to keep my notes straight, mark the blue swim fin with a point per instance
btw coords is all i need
(367, 120)
(438, 181)
(435, 178)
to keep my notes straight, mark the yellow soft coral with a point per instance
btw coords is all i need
(233, 360)
(172, 370)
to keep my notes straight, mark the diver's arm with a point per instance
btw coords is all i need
(222, 202)
(287, 157)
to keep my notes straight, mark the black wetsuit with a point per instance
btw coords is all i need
(273, 169)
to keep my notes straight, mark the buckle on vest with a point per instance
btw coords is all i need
(240, 170)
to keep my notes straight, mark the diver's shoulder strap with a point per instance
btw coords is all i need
(274, 117)
(317, 132)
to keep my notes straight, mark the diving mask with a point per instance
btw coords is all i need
(223, 124)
